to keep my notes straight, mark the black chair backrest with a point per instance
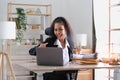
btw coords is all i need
(48, 31)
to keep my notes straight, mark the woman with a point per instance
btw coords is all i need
(61, 36)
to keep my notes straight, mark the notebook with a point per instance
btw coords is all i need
(49, 56)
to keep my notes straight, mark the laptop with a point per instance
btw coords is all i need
(49, 56)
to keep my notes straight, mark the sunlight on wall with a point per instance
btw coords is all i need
(101, 24)
(101, 8)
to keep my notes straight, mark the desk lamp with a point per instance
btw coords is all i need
(7, 32)
(82, 40)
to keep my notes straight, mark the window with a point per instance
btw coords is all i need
(101, 14)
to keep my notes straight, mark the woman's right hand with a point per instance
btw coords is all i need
(43, 45)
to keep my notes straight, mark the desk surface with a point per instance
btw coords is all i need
(69, 66)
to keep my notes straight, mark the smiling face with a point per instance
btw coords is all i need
(59, 31)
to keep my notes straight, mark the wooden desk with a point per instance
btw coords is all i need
(69, 66)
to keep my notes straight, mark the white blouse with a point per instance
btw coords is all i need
(65, 50)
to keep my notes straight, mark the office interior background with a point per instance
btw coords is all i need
(80, 15)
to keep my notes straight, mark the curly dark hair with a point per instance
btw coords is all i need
(67, 26)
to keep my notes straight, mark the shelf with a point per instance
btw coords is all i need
(115, 5)
(22, 76)
(23, 60)
(15, 55)
(115, 29)
(33, 14)
(38, 16)
(33, 24)
(33, 29)
(30, 4)
(25, 45)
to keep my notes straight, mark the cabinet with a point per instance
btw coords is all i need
(85, 74)
(38, 17)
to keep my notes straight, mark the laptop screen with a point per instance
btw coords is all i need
(51, 56)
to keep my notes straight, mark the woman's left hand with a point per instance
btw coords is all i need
(43, 45)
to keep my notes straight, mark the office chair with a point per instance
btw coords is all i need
(48, 31)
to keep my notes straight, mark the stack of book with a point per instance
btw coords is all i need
(85, 58)
(85, 61)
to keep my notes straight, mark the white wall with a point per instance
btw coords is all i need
(78, 12)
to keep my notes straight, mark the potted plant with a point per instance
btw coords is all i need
(21, 24)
